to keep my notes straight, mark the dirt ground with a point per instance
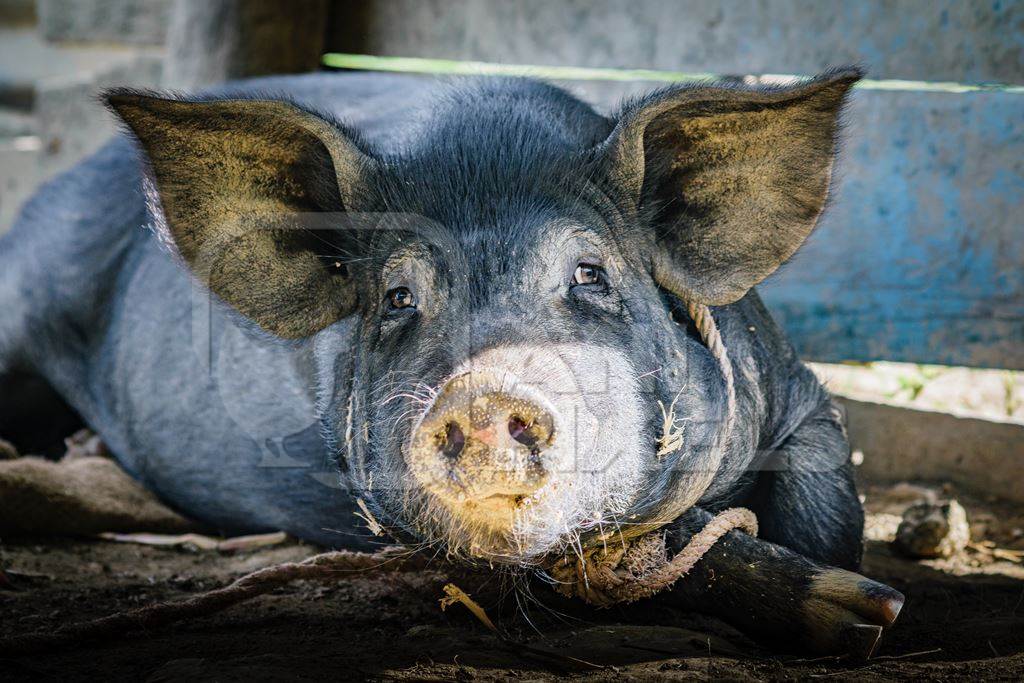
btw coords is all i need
(963, 618)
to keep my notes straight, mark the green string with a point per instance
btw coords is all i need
(422, 65)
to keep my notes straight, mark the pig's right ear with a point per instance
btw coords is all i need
(732, 178)
(241, 187)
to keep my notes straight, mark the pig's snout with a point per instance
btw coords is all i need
(483, 441)
(513, 456)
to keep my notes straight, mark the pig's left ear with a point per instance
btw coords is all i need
(734, 179)
(252, 194)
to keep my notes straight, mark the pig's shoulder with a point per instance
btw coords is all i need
(784, 390)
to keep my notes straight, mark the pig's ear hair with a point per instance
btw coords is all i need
(732, 178)
(248, 190)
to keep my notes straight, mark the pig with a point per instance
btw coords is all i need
(461, 311)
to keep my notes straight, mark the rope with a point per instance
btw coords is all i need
(705, 323)
(325, 567)
(640, 569)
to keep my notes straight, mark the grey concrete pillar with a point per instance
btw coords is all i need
(210, 41)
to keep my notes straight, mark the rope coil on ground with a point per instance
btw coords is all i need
(640, 569)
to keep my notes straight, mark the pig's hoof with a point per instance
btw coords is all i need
(846, 612)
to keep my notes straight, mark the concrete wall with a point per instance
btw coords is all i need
(904, 444)
(55, 55)
(107, 21)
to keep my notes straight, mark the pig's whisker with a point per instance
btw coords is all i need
(649, 373)
(406, 395)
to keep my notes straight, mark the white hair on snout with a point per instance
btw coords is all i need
(594, 467)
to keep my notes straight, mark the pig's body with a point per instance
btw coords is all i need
(227, 424)
(119, 328)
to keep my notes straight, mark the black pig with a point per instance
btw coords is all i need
(472, 301)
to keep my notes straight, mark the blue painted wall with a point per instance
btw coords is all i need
(921, 256)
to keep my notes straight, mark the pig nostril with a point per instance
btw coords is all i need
(519, 429)
(453, 441)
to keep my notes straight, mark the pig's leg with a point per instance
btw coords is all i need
(805, 498)
(780, 596)
(786, 585)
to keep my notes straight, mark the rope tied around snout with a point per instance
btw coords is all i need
(638, 569)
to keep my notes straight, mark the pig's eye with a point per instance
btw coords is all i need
(401, 297)
(588, 274)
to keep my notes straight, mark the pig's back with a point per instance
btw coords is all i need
(386, 109)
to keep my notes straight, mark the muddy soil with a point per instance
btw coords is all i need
(963, 618)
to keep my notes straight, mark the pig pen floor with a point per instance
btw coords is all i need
(963, 618)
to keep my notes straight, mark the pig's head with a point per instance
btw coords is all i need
(505, 366)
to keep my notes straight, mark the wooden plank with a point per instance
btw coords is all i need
(933, 40)
(906, 444)
(217, 40)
